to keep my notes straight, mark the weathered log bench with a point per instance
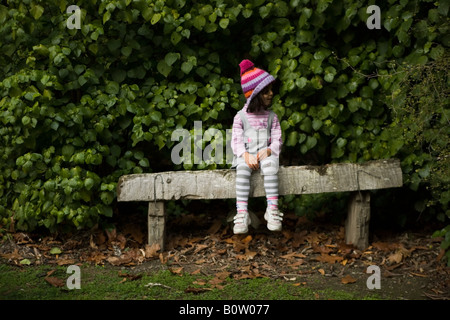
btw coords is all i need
(155, 188)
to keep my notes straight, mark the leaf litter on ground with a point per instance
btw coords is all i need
(207, 246)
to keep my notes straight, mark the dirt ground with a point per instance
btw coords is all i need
(311, 254)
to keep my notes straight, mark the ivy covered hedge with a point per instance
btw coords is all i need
(81, 107)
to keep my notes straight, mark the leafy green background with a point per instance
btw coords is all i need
(80, 108)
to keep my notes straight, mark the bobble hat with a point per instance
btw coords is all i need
(253, 79)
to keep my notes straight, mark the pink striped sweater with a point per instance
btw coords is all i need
(257, 121)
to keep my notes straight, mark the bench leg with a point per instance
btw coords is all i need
(156, 223)
(358, 217)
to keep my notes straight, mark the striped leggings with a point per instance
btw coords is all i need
(243, 173)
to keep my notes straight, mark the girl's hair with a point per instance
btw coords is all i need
(257, 105)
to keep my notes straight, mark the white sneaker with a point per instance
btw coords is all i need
(273, 218)
(241, 222)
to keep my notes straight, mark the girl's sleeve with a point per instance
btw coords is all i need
(276, 139)
(237, 137)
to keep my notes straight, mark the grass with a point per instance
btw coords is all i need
(105, 283)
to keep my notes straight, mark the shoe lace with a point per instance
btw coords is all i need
(240, 216)
(276, 214)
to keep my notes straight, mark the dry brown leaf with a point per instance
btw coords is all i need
(293, 255)
(348, 279)
(163, 258)
(115, 261)
(239, 243)
(299, 284)
(200, 247)
(329, 259)
(385, 246)
(200, 282)
(321, 249)
(151, 251)
(13, 255)
(322, 272)
(248, 255)
(54, 281)
(395, 257)
(92, 243)
(176, 271)
(97, 257)
(200, 261)
(196, 271)
(130, 276)
(296, 264)
(65, 261)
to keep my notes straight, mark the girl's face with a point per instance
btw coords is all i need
(267, 95)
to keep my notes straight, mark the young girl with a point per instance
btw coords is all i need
(256, 144)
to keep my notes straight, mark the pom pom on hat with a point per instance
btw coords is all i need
(246, 65)
(253, 79)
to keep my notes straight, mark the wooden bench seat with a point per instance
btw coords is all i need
(155, 188)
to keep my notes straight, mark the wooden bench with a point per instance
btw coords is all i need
(155, 188)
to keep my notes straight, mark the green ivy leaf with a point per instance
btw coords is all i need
(171, 58)
(36, 11)
(199, 22)
(223, 23)
(112, 87)
(163, 68)
(155, 18)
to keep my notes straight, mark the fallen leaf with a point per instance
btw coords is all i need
(385, 246)
(163, 258)
(299, 284)
(92, 242)
(395, 257)
(176, 270)
(329, 259)
(239, 243)
(223, 275)
(97, 257)
(200, 247)
(151, 251)
(13, 255)
(55, 250)
(200, 261)
(65, 261)
(130, 276)
(200, 282)
(49, 273)
(322, 272)
(321, 249)
(348, 279)
(296, 264)
(293, 255)
(248, 255)
(56, 282)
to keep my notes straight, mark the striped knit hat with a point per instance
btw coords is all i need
(253, 80)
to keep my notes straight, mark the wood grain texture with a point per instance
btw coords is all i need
(220, 184)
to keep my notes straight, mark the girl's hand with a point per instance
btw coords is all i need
(251, 161)
(262, 154)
